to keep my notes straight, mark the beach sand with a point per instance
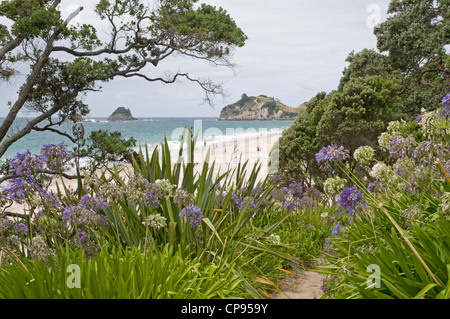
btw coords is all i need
(227, 156)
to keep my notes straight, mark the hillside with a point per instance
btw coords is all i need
(261, 108)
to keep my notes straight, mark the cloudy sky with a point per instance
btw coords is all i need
(295, 49)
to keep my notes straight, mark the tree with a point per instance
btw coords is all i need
(360, 113)
(415, 36)
(105, 146)
(140, 38)
(366, 63)
(300, 143)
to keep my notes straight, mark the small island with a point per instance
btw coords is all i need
(121, 114)
(259, 108)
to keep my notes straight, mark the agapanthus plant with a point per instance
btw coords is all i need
(351, 200)
(328, 156)
(193, 214)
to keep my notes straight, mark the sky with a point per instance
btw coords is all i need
(295, 49)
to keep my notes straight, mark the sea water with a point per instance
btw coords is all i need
(150, 132)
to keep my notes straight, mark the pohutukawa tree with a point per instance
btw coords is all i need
(35, 32)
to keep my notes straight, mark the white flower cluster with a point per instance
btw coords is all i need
(364, 155)
(156, 221)
(166, 186)
(383, 174)
(385, 140)
(434, 127)
(275, 239)
(395, 128)
(333, 186)
(398, 128)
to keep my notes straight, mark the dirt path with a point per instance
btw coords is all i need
(306, 285)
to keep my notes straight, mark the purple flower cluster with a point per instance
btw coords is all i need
(20, 188)
(86, 213)
(23, 188)
(26, 164)
(290, 206)
(402, 146)
(241, 201)
(52, 157)
(337, 229)
(445, 113)
(21, 229)
(193, 214)
(55, 156)
(351, 200)
(296, 190)
(329, 155)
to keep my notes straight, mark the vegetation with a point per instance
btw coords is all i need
(378, 147)
(105, 147)
(399, 82)
(221, 225)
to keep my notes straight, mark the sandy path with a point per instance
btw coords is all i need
(307, 285)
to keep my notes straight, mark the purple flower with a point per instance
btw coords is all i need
(337, 229)
(290, 206)
(24, 164)
(94, 203)
(21, 228)
(86, 213)
(257, 191)
(402, 146)
(445, 113)
(243, 202)
(55, 156)
(296, 190)
(330, 155)
(193, 214)
(20, 188)
(152, 200)
(350, 200)
(446, 100)
(81, 238)
(305, 202)
(281, 194)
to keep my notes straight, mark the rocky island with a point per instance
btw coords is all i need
(259, 108)
(121, 114)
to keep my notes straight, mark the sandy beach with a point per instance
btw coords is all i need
(228, 155)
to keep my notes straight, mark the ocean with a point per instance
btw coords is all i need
(151, 131)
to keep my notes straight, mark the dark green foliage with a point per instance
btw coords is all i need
(360, 113)
(271, 106)
(366, 63)
(415, 37)
(105, 146)
(244, 99)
